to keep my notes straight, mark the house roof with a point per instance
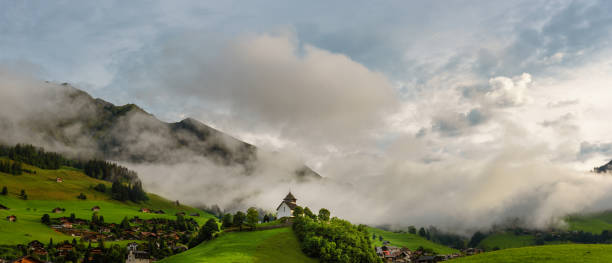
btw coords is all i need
(28, 259)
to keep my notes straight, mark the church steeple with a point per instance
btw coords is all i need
(290, 198)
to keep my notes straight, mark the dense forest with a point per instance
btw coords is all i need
(333, 240)
(13, 168)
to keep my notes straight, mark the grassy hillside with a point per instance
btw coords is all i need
(44, 194)
(551, 253)
(594, 223)
(506, 240)
(276, 245)
(410, 241)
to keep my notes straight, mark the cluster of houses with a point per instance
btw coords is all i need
(404, 255)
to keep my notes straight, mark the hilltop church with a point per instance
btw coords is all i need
(285, 209)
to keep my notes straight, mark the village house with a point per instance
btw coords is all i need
(394, 254)
(93, 252)
(64, 249)
(37, 248)
(285, 209)
(145, 210)
(57, 210)
(11, 218)
(95, 209)
(59, 180)
(67, 225)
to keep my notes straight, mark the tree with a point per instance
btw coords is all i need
(239, 219)
(72, 217)
(100, 188)
(227, 220)
(23, 195)
(476, 238)
(208, 230)
(422, 232)
(82, 196)
(46, 219)
(380, 238)
(412, 230)
(298, 211)
(4, 190)
(309, 213)
(252, 217)
(266, 218)
(324, 214)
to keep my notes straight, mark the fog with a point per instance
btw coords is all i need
(462, 157)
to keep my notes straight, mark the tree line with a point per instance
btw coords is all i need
(14, 168)
(332, 240)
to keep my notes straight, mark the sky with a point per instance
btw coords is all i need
(507, 97)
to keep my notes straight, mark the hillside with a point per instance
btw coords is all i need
(550, 253)
(408, 240)
(45, 194)
(277, 245)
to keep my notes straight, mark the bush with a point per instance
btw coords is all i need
(82, 196)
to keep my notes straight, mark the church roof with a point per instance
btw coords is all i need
(289, 197)
(290, 205)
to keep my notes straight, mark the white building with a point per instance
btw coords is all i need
(285, 209)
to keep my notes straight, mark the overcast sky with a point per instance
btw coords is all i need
(353, 87)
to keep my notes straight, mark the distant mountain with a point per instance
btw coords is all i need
(95, 128)
(606, 168)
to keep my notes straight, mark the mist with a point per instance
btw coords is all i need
(463, 155)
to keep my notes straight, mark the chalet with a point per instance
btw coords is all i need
(58, 210)
(11, 218)
(285, 209)
(93, 252)
(64, 249)
(59, 180)
(145, 210)
(3, 207)
(67, 225)
(27, 259)
(35, 244)
(95, 208)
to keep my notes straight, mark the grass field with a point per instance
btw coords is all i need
(44, 194)
(551, 253)
(410, 241)
(506, 240)
(276, 245)
(594, 223)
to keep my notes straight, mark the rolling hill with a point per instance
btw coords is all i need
(549, 253)
(45, 194)
(408, 240)
(270, 246)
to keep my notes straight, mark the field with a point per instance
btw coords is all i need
(550, 253)
(506, 240)
(276, 245)
(44, 194)
(594, 223)
(410, 241)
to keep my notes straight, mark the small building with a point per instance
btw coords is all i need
(11, 218)
(145, 210)
(95, 208)
(285, 209)
(59, 180)
(35, 244)
(138, 257)
(67, 225)
(57, 210)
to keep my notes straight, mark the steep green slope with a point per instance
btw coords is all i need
(410, 241)
(44, 194)
(551, 253)
(276, 245)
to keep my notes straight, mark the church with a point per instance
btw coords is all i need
(285, 209)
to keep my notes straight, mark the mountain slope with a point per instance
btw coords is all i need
(551, 253)
(68, 120)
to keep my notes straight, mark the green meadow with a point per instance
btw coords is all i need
(549, 253)
(408, 240)
(44, 194)
(506, 240)
(270, 246)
